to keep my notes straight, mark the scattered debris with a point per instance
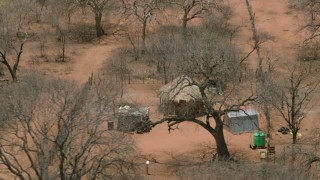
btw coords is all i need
(284, 130)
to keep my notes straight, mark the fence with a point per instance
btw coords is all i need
(147, 77)
(128, 79)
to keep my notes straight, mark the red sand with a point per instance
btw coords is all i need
(272, 16)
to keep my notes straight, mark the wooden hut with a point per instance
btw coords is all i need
(181, 98)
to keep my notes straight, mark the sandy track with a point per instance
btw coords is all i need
(91, 60)
(272, 16)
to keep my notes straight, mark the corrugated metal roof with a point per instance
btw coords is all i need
(241, 113)
(133, 110)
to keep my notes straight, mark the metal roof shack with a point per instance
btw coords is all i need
(242, 121)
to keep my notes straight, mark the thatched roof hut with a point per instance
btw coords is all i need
(181, 98)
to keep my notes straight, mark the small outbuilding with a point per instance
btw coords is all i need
(133, 119)
(242, 121)
(181, 98)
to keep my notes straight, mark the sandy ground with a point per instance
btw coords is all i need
(281, 23)
(272, 16)
(91, 60)
(273, 19)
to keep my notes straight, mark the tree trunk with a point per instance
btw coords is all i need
(143, 36)
(158, 67)
(165, 72)
(12, 72)
(63, 41)
(267, 114)
(134, 48)
(45, 159)
(222, 149)
(184, 22)
(294, 136)
(99, 29)
(293, 118)
(61, 163)
(217, 132)
(14, 68)
(255, 37)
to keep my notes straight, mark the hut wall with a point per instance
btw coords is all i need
(244, 124)
(183, 108)
(132, 123)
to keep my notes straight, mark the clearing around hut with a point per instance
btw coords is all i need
(146, 89)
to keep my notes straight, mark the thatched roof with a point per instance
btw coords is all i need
(180, 89)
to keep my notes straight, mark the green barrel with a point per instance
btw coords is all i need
(256, 139)
(259, 139)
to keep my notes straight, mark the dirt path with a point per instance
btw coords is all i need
(273, 17)
(90, 60)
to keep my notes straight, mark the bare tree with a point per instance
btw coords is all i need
(266, 85)
(118, 66)
(61, 12)
(9, 29)
(63, 9)
(162, 53)
(57, 130)
(293, 97)
(134, 42)
(143, 11)
(39, 8)
(5, 59)
(210, 61)
(255, 36)
(193, 9)
(62, 40)
(62, 32)
(314, 155)
(309, 48)
(264, 77)
(98, 7)
(312, 19)
(22, 11)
